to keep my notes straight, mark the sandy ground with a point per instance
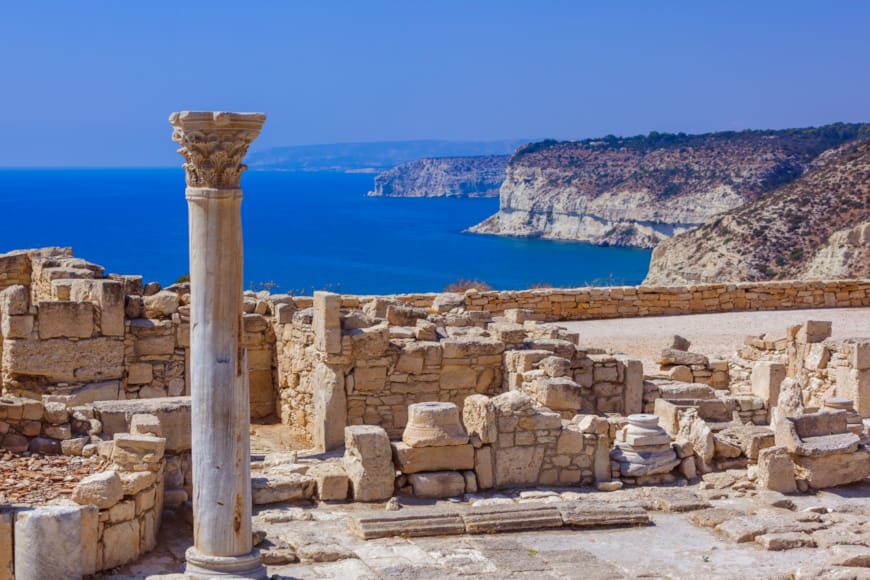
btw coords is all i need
(716, 335)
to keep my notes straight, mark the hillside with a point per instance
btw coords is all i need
(479, 176)
(638, 191)
(816, 227)
(369, 157)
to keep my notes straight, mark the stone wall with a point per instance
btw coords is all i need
(366, 364)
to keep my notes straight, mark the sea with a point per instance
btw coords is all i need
(302, 232)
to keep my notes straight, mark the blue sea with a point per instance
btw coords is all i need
(302, 232)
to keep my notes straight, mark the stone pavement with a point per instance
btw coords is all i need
(682, 542)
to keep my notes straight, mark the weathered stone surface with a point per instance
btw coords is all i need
(478, 416)
(59, 360)
(518, 465)
(677, 342)
(331, 480)
(436, 522)
(66, 319)
(48, 543)
(511, 518)
(327, 322)
(559, 394)
(588, 514)
(135, 450)
(785, 541)
(173, 413)
(160, 305)
(686, 391)
(102, 490)
(368, 462)
(437, 484)
(835, 469)
(7, 554)
(434, 424)
(814, 331)
(120, 543)
(776, 470)
(766, 380)
(145, 424)
(483, 467)
(330, 407)
(681, 373)
(671, 356)
(416, 459)
(280, 488)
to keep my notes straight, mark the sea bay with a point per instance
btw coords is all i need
(302, 232)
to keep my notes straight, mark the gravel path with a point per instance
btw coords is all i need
(711, 334)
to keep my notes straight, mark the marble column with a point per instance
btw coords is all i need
(213, 145)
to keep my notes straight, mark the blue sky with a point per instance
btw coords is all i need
(91, 83)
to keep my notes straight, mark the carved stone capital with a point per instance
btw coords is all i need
(213, 145)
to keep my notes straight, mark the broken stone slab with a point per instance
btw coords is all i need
(416, 459)
(675, 500)
(510, 518)
(785, 541)
(747, 528)
(281, 488)
(406, 524)
(670, 357)
(437, 484)
(588, 514)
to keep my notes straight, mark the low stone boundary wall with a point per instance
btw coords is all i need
(554, 304)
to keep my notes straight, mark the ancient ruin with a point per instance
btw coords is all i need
(461, 414)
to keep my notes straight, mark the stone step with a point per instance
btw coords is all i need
(511, 518)
(406, 524)
(589, 514)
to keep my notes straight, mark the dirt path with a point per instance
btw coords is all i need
(712, 334)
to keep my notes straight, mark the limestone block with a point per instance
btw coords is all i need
(66, 319)
(133, 482)
(144, 500)
(464, 347)
(146, 424)
(14, 301)
(512, 403)
(776, 470)
(48, 543)
(55, 413)
(448, 301)
(102, 391)
(766, 380)
(368, 462)
(401, 315)
(132, 450)
(278, 488)
(160, 305)
(330, 408)
(434, 424)
(16, 326)
(859, 353)
(327, 322)
(671, 356)
(478, 416)
(416, 459)
(140, 373)
(122, 511)
(507, 518)
(262, 392)
(60, 360)
(814, 331)
(677, 342)
(835, 469)
(173, 412)
(407, 524)
(686, 391)
(107, 294)
(555, 366)
(681, 373)
(102, 490)
(559, 394)
(518, 465)
(369, 379)
(7, 555)
(633, 381)
(437, 484)
(483, 467)
(120, 544)
(519, 315)
(331, 481)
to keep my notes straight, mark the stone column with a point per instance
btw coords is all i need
(213, 145)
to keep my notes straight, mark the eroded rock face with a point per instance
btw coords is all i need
(814, 228)
(479, 176)
(639, 191)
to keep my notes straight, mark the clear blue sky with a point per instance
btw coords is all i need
(91, 83)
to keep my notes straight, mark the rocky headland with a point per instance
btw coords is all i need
(479, 176)
(816, 227)
(639, 191)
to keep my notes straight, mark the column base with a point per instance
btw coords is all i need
(200, 566)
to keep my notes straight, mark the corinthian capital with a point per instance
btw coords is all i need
(213, 145)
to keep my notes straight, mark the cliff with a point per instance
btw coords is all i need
(816, 227)
(638, 191)
(480, 176)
